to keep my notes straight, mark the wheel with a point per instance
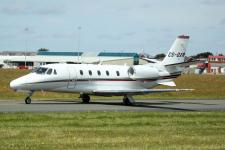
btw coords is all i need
(28, 100)
(127, 102)
(86, 99)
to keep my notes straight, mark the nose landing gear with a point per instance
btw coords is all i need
(28, 98)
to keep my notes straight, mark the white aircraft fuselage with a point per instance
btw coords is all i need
(107, 80)
(85, 78)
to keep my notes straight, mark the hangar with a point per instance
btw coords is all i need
(31, 60)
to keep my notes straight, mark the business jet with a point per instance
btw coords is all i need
(107, 80)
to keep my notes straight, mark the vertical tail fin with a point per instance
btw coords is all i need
(177, 51)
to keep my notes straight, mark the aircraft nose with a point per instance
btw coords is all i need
(14, 84)
(20, 83)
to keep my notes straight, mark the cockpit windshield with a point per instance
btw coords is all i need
(44, 70)
(41, 70)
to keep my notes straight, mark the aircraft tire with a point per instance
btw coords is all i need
(127, 102)
(86, 99)
(28, 100)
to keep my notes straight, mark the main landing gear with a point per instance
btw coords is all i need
(28, 98)
(128, 100)
(85, 98)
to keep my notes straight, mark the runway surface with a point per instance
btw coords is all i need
(112, 106)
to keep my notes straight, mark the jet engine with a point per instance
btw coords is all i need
(143, 72)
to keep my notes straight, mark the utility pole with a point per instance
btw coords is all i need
(26, 47)
(78, 42)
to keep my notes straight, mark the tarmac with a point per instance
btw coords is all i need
(112, 106)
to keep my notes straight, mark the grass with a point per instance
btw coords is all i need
(100, 130)
(116, 130)
(206, 87)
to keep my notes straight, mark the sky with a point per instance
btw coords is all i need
(148, 26)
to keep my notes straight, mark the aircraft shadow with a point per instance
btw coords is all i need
(149, 105)
(163, 105)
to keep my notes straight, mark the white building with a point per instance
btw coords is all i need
(46, 57)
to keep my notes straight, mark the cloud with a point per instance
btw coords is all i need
(222, 22)
(15, 8)
(19, 8)
(63, 36)
(41, 36)
(146, 6)
(129, 34)
(116, 37)
(109, 37)
(213, 2)
(7, 36)
(55, 10)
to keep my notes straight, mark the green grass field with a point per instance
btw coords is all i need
(116, 130)
(206, 87)
(101, 130)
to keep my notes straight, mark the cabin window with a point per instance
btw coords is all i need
(81, 72)
(117, 73)
(55, 73)
(107, 73)
(41, 70)
(90, 72)
(49, 71)
(99, 73)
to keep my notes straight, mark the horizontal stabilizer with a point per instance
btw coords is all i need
(151, 60)
(169, 83)
(185, 64)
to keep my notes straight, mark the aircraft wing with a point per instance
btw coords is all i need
(136, 91)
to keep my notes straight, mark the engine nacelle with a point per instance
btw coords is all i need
(143, 72)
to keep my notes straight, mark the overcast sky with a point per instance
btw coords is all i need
(112, 25)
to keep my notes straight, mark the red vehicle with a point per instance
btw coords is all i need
(22, 67)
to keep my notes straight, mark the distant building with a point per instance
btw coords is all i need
(216, 64)
(20, 60)
(17, 53)
(211, 65)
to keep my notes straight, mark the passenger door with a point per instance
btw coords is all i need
(72, 78)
